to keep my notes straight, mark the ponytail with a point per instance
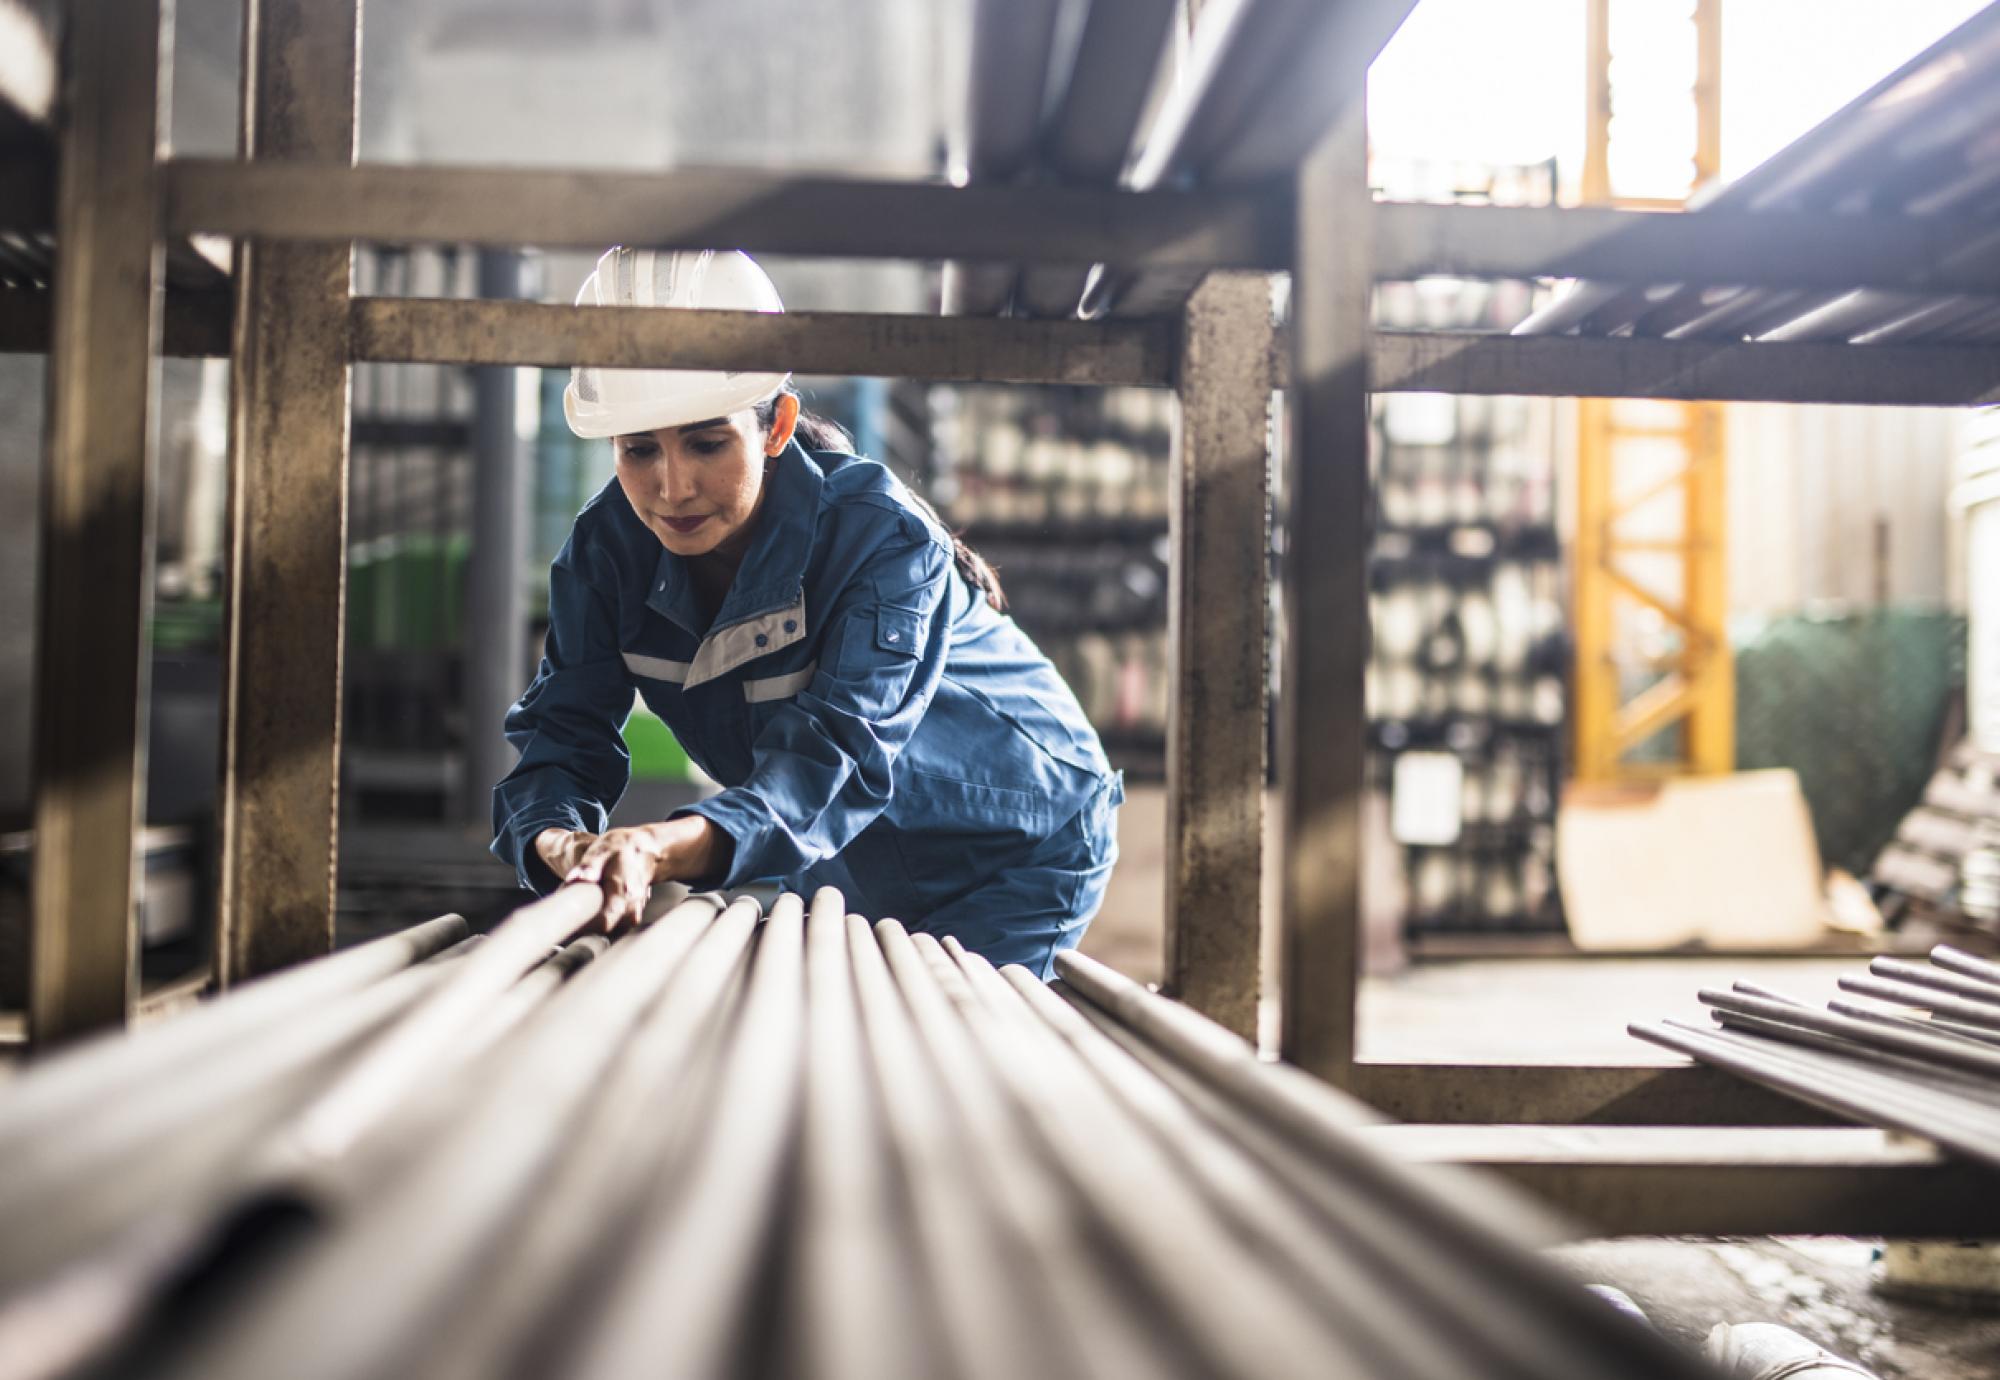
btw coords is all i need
(815, 432)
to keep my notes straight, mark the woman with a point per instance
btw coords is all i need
(819, 644)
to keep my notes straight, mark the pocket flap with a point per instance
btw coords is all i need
(899, 630)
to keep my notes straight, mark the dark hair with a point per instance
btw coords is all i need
(815, 432)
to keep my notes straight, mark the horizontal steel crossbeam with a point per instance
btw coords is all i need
(1720, 1181)
(1767, 249)
(768, 213)
(1710, 371)
(986, 350)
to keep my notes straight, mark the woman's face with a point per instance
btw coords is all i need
(697, 487)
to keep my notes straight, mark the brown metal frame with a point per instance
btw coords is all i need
(299, 217)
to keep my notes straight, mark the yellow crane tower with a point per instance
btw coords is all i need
(1675, 698)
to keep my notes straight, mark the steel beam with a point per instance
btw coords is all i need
(287, 554)
(96, 576)
(1680, 1181)
(496, 596)
(1653, 1094)
(195, 325)
(1766, 248)
(1717, 371)
(896, 346)
(1322, 720)
(1217, 590)
(761, 213)
(1117, 352)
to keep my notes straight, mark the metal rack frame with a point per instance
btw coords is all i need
(296, 205)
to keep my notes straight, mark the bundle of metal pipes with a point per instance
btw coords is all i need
(1935, 1075)
(1092, 93)
(1919, 143)
(743, 1144)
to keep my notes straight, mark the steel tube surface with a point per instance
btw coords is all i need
(760, 213)
(1937, 1078)
(800, 1146)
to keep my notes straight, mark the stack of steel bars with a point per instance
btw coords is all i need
(1921, 143)
(733, 1143)
(1936, 1075)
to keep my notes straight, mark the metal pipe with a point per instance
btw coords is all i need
(1028, 1212)
(1848, 157)
(1090, 135)
(83, 1079)
(1977, 1013)
(1316, 1122)
(1462, 1292)
(396, 1062)
(68, 1192)
(680, 1300)
(640, 1125)
(1170, 1241)
(297, 1320)
(1389, 1322)
(1943, 979)
(1930, 1049)
(1828, 1081)
(1012, 42)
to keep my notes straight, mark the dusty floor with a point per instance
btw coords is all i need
(1817, 1286)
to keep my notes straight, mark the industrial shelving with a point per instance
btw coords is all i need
(1258, 166)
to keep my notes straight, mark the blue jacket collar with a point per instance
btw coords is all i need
(774, 568)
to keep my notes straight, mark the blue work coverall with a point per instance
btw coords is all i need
(876, 725)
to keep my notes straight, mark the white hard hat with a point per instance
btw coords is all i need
(616, 402)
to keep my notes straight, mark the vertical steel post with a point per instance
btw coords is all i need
(496, 634)
(1216, 591)
(1322, 722)
(96, 572)
(287, 512)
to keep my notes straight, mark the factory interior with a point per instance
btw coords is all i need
(1484, 859)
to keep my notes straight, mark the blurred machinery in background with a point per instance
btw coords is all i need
(1466, 699)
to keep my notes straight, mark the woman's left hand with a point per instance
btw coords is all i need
(626, 862)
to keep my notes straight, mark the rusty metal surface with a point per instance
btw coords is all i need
(287, 552)
(1326, 494)
(1657, 1094)
(761, 213)
(1217, 591)
(96, 530)
(1713, 370)
(900, 346)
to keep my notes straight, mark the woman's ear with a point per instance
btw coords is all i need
(783, 424)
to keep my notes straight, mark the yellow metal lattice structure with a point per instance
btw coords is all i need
(1655, 689)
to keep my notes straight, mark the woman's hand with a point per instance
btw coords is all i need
(626, 862)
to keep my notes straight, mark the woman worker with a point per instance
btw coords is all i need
(819, 644)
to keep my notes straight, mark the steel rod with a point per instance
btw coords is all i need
(83, 1079)
(297, 1320)
(680, 1302)
(640, 1124)
(1979, 1013)
(1966, 965)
